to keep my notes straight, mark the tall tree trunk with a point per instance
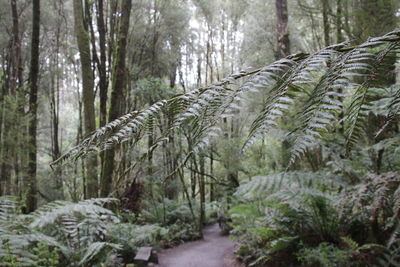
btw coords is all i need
(10, 89)
(340, 38)
(202, 217)
(283, 45)
(325, 18)
(118, 85)
(283, 42)
(16, 78)
(54, 108)
(212, 196)
(31, 198)
(83, 41)
(339, 23)
(103, 83)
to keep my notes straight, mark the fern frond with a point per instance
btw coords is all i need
(262, 186)
(54, 211)
(321, 75)
(323, 106)
(393, 107)
(95, 249)
(8, 208)
(355, 117)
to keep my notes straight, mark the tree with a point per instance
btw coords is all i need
(118, 80)
(10, 89)
(282, 29)
(31, 198)
(83, 41)
(326, 23)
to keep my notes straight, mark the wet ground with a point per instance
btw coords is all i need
(214, 250)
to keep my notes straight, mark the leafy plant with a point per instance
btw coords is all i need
(78, 231)
(319, 78)
(324, 255)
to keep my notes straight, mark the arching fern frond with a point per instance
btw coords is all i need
(324, 103)
(261, 186)
(322, 78)
(49, 213)
(356, 115)
(201, 109)
(8, 208)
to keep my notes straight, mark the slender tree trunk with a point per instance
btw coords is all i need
(103, 83)
(57, 76)
(102, 67)
(16, 73)
(118, 86)
(212, 196)
(282, 46)
(340, 38)
(83, 41)
(202, 217)
(283, 42)
(31, 199)
(325, 18)
(13, 83)
(339, 24)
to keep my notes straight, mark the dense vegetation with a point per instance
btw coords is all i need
(136, 125)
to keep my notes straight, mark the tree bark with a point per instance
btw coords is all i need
(103, 62)
(202, 217)
(212, 196)
(325, 18)
(54, 108)
(83, 41)
(339, 24)
(118, 85)
(283, 42)
(31, 199)
(14, 71)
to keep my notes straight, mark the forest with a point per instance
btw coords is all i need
(215, 133)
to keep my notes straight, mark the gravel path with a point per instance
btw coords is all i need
(214, 250)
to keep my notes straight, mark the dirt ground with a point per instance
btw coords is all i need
(214, 250)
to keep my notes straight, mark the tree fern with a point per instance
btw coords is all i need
(8, 208)
(262, 186)
(377, 199)
(320, 77)
(356, 115)
(323, 105)
(69, 227)
(49, 213)
(95, 249)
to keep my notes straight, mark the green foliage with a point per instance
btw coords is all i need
(376, 204)
(97, 249)
(298, 224)
(63, 233)
(324, 255)
(151, 90)
(260, 186)
(138, 235)
(323, 80)
(166, 212)
(46, 256)
(75, 230)
(391, 257)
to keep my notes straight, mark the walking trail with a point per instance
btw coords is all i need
(214, 250)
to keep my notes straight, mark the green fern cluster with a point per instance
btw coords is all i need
(76, 232)
(376, 202)
(289, 220)
(261, 186)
